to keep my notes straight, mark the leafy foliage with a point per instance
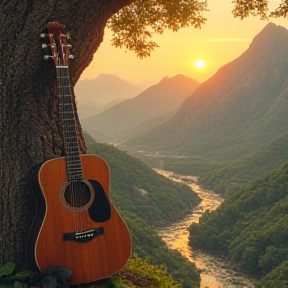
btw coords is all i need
(134, 25)
(244, 8)
(277, 278)
(158, 274)
(53, 277)
(250, 227)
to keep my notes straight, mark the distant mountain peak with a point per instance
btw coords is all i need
(271, 32)
(240, 107)
(176, 78)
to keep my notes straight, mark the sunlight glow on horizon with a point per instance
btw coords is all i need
(199, 64)
(222, 39)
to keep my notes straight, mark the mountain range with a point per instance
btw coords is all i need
(243, 105)
(104, 89)
(155, 101)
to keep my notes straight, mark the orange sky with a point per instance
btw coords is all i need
(220, 40)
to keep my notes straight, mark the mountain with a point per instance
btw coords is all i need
(146, 126)
(157, 100)
(227, 177)
(89, 108)
(105, 88)
(243, 105)
(251, 228)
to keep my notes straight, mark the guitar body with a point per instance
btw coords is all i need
(80, 230)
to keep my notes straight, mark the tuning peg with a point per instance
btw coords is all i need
(43, 35)
(44, 46)
(71, 56)
(47, 57)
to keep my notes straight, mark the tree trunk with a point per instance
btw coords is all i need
(30, 128)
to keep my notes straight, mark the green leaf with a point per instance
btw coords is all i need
(23, 275)
(116, 282)
(49, 282)
(7, 269)
(58, 271)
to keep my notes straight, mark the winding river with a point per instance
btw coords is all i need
(215, 271)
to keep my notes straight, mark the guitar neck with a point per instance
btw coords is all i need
(71, 144)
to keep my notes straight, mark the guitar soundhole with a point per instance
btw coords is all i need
(77, 195)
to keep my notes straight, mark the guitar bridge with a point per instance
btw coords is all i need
(83, 236)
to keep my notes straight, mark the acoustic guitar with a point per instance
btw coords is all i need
(76, 225)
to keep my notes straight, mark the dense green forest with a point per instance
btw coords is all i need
(251, 228)
(229, 176)
(138, 189)
(128, 176)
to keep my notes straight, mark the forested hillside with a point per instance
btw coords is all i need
(138, 189)
(227, 177)
(141, 195)
(251, 227)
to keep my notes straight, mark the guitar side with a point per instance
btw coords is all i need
(104, 245)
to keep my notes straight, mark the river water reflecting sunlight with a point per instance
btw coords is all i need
(215, 271)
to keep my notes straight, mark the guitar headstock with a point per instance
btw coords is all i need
(60, 49)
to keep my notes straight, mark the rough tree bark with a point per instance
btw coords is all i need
(30, 129)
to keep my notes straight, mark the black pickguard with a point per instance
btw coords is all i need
(100, 210)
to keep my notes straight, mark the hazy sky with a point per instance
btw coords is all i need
(222, 39)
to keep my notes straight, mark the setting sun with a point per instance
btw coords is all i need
(199, 64)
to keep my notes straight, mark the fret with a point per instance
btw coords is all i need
(77, 177)
(71, 143)
(69, 159)
(73, 152)
(64, 86)
(67, 112)
(74, 164)
(65, 95)
(74, 169)
(67, 126)
(68, 119)
(72, 147)
(74, 173)
(67, 122)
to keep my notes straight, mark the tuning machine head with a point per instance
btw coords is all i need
(43, 35)
(47, 57)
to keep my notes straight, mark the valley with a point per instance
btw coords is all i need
(232, 133)
(215, 271)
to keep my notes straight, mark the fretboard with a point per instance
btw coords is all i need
(71, 145)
